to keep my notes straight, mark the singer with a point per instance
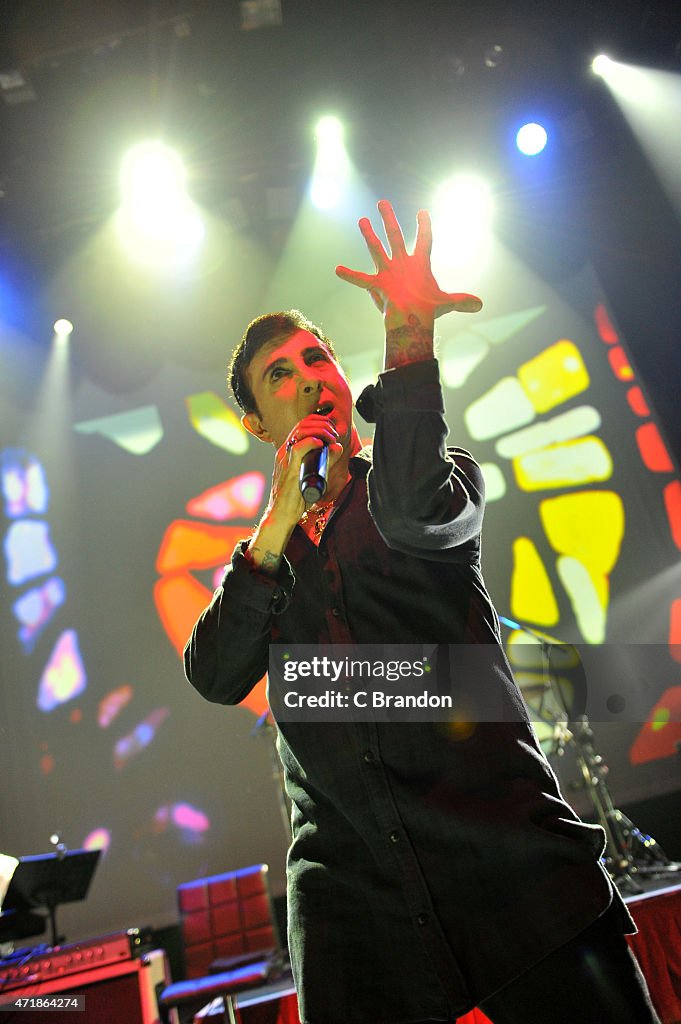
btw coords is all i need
(430, 870)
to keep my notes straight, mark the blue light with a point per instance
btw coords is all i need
(531, 139)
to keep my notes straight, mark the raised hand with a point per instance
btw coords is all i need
(403, 285)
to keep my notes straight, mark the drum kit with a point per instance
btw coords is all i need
(551, 678)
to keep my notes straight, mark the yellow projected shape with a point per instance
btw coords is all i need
(524, 651)
(556, 374)
(532, 596)
(565, 427)
(588, 526)
(495, 484)
(589, 595)
(564, 465)
(504, 407)
(213, 419)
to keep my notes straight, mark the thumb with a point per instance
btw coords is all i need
(461, 302)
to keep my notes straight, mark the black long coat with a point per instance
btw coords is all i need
(428, 866)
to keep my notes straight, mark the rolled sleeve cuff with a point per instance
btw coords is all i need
(414, 387)
(269, 594)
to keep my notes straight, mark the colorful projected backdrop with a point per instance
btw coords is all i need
(582, 535)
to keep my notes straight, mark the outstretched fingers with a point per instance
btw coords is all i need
(356, 277)
(393, 231)
(424, 235)
(374, 244)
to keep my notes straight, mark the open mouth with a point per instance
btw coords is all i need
(324, 409)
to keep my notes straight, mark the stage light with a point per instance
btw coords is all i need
(628, 82)
(158, 219)
(462, 214)
(531, 139)
(329, 132)
(62, 328)
(601, 64)
(330, 175)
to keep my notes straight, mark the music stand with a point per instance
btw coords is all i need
(50, 879)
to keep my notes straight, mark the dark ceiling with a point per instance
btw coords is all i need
(414, 84)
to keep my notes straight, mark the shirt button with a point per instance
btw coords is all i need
(394, 836)
(422, 920)
(369, 756)
(336, 612)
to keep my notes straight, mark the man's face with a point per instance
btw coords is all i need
(289, 380)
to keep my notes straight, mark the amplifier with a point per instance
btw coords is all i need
(59, 961)
(117, 993)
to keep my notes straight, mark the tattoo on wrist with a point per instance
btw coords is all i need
(270, 562)
(408, 343)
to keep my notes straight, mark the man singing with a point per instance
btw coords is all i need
(431, 869)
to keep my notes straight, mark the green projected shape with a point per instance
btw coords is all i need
(503, 328)
(136, 431)
(212, 419)
(463, 352)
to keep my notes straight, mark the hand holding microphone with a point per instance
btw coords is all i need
(314, 467)
(295, 484)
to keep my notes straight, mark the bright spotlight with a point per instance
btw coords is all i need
(628, 82)
(331, 169)
(462, 209)
(62, 328)
(329, 131)
(152, 173)
(531, 139)
(158, 217)
(601, 64)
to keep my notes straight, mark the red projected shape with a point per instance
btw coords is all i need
(180, 597)
(675, 630)
(189, 545)
(620, 364)
(659, 737)
(604, 326)
(235, 499)
(637, 402)
(672, 501)
(653, 449)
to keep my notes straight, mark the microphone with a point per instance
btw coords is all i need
(313, 468)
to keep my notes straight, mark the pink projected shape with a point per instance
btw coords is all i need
(23, 484)
(236, 498)
(98, 839)
(64, 675)
(191, 822)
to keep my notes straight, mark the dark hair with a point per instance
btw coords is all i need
(262, 330)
